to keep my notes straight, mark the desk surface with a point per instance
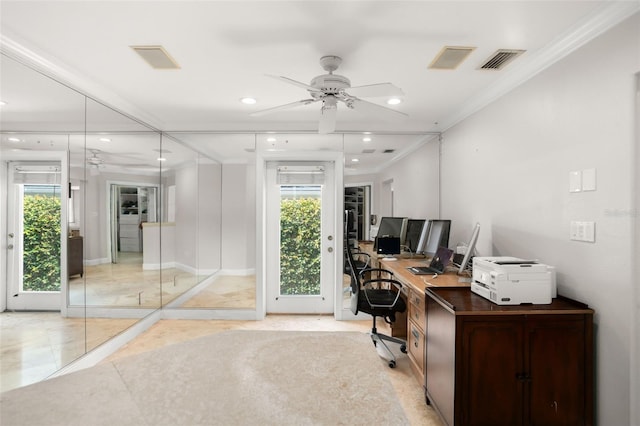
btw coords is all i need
(417, 282)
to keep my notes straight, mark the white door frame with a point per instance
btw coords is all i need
(52, 301)
(261, 214)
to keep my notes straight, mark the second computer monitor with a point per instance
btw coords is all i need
(414, 231)
(435, 233)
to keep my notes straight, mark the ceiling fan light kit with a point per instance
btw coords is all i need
(330, 89)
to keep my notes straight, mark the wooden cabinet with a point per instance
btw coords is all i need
(508, 365)
(74, 256)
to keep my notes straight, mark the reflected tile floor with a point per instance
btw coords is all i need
(35, 345)
(227, 291)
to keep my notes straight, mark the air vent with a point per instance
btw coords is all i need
(157, 57)
(500, 59)
(388, 151)
(450, 57)
(368, 151)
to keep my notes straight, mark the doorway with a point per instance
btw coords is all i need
(131, 205)
(35, 227)
(300, 240)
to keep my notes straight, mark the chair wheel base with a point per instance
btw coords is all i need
(392, 364)
(403, 349)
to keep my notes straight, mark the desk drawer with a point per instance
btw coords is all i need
(417, 311)
(415, 342)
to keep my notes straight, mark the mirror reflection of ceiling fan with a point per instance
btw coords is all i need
(331, 89)
(96, 161)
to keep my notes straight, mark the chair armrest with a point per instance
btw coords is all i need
(378, 270)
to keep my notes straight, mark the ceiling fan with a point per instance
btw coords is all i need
(330, 89)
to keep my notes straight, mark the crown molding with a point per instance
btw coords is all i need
(596, 23)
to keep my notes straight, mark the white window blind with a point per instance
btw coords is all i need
(300, 175)
(37, 174)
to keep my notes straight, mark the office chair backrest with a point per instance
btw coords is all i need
(355, 280)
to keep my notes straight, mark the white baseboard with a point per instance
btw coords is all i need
(94, 262)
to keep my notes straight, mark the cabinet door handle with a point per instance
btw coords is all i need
(523, 377)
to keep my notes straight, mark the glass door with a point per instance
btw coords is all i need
(300, 253)
(34, 248)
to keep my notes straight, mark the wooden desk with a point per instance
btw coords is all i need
(414, 327)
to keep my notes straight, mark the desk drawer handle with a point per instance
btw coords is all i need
(416, 337)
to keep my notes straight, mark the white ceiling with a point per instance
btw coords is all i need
(226, 48)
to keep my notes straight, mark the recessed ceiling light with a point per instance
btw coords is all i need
(2, 103)
(248, 101)
(162, 159)
(354, 160)
(13, 139)
(104, 140)
(394, 101)
(366, 139)
(271, 139)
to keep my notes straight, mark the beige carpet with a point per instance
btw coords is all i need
(230, 378)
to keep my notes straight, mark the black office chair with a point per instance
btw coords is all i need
(377, 296)
(361, 260)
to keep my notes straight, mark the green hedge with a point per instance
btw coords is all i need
(41, 250)
(300, 246)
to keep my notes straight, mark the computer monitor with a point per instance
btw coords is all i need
(436, 235)
(393, 227)
(471, 247)
(414, 230)
(388, 245)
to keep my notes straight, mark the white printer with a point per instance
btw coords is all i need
(511, 281)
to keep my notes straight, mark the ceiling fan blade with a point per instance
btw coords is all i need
(375, 90)
(294, 82)
(283, 107)
(377, 110)
(327, 120)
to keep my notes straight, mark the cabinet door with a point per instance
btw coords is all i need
(488, 383)
(556, 348)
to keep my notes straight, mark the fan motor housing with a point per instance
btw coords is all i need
(330, 83)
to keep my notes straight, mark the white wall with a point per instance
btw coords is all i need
(238, 217)
(209, 216)
(415, 185)
(186, 224)
(635, 327)
(508, 167)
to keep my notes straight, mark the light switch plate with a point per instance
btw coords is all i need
(589, 180)
(575, 181)
(582, 231)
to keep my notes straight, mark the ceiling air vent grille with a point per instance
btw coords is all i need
(450, 57)
(157, 57)
(500, 59)
(368, 151)
(389, 151)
